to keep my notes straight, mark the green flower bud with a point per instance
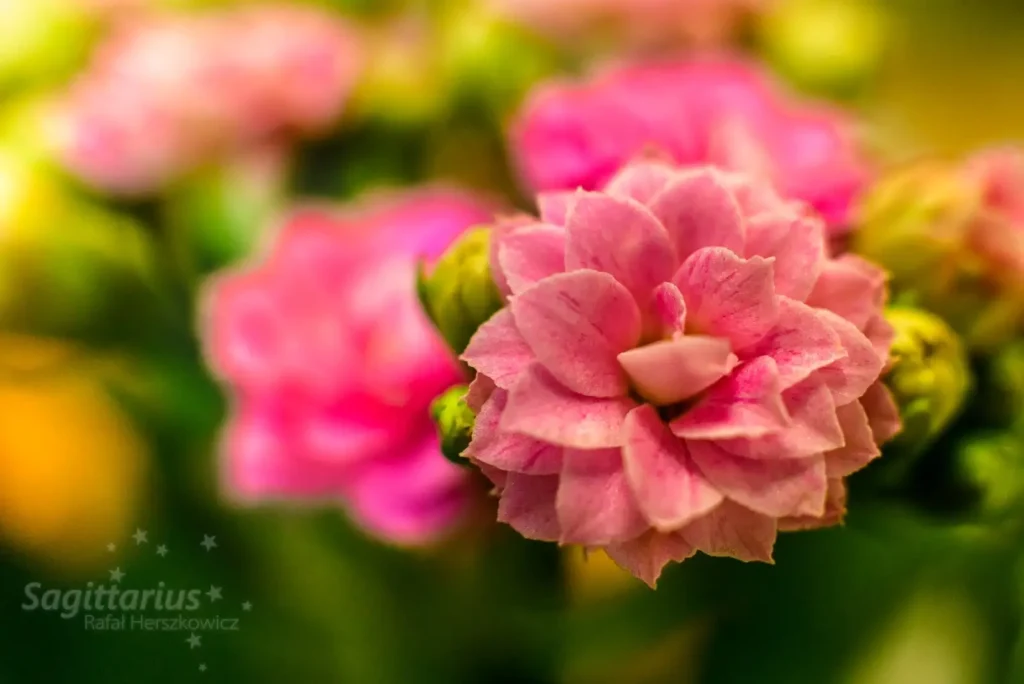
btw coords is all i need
(928, 226)
(460, 295)
(989, 470)
(1006, 380)
(930, 376)
(454, 421)
(833, 47)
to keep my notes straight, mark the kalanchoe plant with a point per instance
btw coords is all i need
(953, 239)
(680, 367)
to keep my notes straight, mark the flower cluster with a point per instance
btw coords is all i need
(681, 367)
(167, 92)
(333, 365)
(723, 112)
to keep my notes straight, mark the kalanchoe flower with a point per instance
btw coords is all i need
(636, 22)
(722, 112)
(166, 93)
(333, 365)
(680, 367)
(459, 293)
(953, 239)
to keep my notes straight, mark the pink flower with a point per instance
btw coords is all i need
(333, 365)
(681, 367)
(636, 21)
(169, 92)
(723, 112)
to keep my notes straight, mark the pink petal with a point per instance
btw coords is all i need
(727, 296)
(507, 450)
(531, 253)
(801, 342)
(669, 488)
(849, 378)
(733, 531)
(554, 206)
(882, 335)
(748, 403)
(771, 487)
(528, 504)
(595, 504)
(577, 324)
(647, 555)
(480, 390)
(798, 244)
(498, 350)
(850, 287)
(669, 371)
(669, 311)
(860, 448)
(883, 413)
(641, 181)
(540, 407)
(619, 237)
(835, 511)
(813, 429)
(699, 211)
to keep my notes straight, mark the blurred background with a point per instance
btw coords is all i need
(148, 145)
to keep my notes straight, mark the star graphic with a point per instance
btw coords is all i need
(202, 667)
(116, 575)
(111, 548)
(214, 593)
(247, 606)
(161, 550)
(140, 536)
(209, 542)
(194, 641)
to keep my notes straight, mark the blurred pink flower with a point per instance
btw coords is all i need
(167, 92)
(635, 21)
(333, 365)
(680, 368)
(724, 112)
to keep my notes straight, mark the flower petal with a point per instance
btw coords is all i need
(733, 531)
(528, 504)
(699, 211)
(619, 237)
(595, 504)
(883, 413)
(813, 429)
(835, 511)
(498, 351)
(728, 296)
(669, 311)
(850, 377)
(577, 324)
(539, 407)
(531, 253)
(641, 181)
(772, 487)
(670, 371)
(509, 450)
(480, 390)
(747, 403)
(554, 206)
(669, 488)
(850, 287)
(801, 342)
(647, 555)
(798, 244)
(860, 448)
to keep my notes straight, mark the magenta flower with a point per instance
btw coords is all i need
(169, 92)
(722, 112)
(333, 365)
(680, 368)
